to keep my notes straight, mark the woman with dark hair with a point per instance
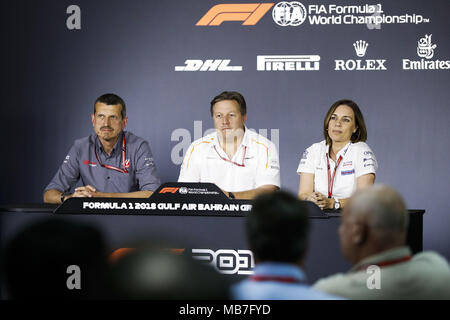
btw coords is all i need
(333, 169)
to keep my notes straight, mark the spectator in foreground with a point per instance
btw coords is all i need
(277, 232)
(151, 273)
(373, 235)
(55, 258)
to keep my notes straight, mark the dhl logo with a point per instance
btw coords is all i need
(169, 190)
(250, 13)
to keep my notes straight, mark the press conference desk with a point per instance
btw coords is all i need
(213, 234)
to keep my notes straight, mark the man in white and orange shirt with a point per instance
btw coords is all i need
(241, 162)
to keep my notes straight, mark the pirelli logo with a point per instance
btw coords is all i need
(249, 13)
(288, 63)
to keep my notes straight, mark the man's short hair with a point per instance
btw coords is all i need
(231, 95)
(383, 206)
(278, 227)
(112, 99)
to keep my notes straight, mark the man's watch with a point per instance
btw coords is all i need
(63, 195)
(337, 204)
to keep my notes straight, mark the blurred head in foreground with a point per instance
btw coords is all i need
(158, 274)
(55, 258)
(278, 228)
(374, 220)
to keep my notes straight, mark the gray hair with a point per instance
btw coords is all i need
(383, 207)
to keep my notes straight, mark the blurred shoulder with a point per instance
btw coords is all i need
(318, 147)
(204, 141)
(363, 147)
(257, 138)
(85, 141)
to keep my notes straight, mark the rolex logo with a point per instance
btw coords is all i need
(360, 48)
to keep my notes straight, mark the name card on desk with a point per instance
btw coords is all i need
(191, 199)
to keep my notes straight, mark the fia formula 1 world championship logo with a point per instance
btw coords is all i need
(289, 13)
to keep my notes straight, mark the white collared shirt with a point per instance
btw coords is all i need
(357, 160)
(205, 162)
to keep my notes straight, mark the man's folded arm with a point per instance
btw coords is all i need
(251, 194)
(52, 196)
(65, 178)
(189, 170)
(135, 194)
(146, 174)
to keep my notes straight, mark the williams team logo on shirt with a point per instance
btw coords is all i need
(348, 172)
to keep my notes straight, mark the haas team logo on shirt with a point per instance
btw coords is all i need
(89, 163)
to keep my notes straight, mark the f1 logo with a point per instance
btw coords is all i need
(169, 190)
(250, 13)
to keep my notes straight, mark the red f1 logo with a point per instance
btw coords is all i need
(169, 190)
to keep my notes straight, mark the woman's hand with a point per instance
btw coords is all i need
(322, 201)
